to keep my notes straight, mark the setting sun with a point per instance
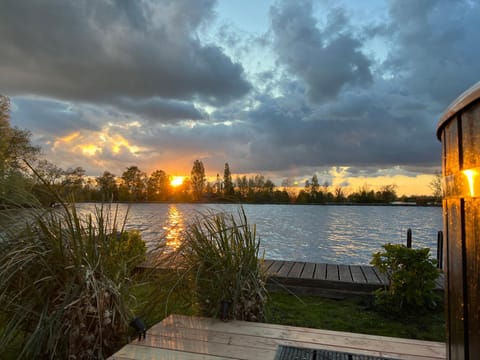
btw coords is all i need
(177, 181)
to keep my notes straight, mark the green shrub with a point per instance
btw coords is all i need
(65, 284)
(411, 274)
(219, 258)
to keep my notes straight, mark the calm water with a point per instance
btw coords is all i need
(332, 234)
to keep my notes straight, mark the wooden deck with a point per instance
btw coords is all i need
(194, 338)
(328, 279)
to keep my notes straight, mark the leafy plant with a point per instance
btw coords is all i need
(219, 259)
(65, 282)
(412, 275)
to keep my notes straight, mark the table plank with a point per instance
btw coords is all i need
(314, 337)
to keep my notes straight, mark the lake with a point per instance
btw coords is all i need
(316, 233)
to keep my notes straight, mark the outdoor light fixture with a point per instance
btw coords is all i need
(463, 184)
(139, 327)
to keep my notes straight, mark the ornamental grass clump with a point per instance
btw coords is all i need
(65, 282)
(220, 260)
(412, 276)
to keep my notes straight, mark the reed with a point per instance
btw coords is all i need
(65, 283)
(220, 260)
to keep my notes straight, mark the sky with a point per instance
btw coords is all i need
(349, 90)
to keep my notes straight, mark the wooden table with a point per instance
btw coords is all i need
(194, 338)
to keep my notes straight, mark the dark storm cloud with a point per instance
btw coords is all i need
(356, 130)
(90, 50)
(327, 60)
(43, 116)
(435, 48)
(157, 110)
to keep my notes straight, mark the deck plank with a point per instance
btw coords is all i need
(370, 275)
(382, 276)
(266, 264)
(308, 270)
(344, 273)
(320, 272)
(276, 265)
(332, 272)
(357, 274)
(136, 352)
(285, 269)
(296, 270)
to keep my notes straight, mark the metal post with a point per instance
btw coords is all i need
(409, 238)
(440, 250)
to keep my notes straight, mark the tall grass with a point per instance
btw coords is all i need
(65, 282)
(220, 260)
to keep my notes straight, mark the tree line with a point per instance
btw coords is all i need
(24, 175)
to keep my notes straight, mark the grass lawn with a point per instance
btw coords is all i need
(352, 316)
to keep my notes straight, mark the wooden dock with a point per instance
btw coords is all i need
(330, 280)
(195, 338)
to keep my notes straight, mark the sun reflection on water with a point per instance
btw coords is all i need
(175, 224)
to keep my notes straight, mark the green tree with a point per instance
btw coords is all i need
(15, 148)
(108, 186)
(387, 194)
(339, 195)
(47, 182)
(436, 186)
(49, 173)
(73, 182)
(197, 178)
(228, 189)
(158, 186)
(242, 185)
(134, 183)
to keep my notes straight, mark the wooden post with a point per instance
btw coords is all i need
(459, 132)
(409, 238)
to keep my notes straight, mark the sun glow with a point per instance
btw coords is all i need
(90, 150)
(177, 181)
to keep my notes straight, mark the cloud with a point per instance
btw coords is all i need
(158, 110)
(434, 48)
(45, 116)
(327, 60)
(357, 129)
(95, 50)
